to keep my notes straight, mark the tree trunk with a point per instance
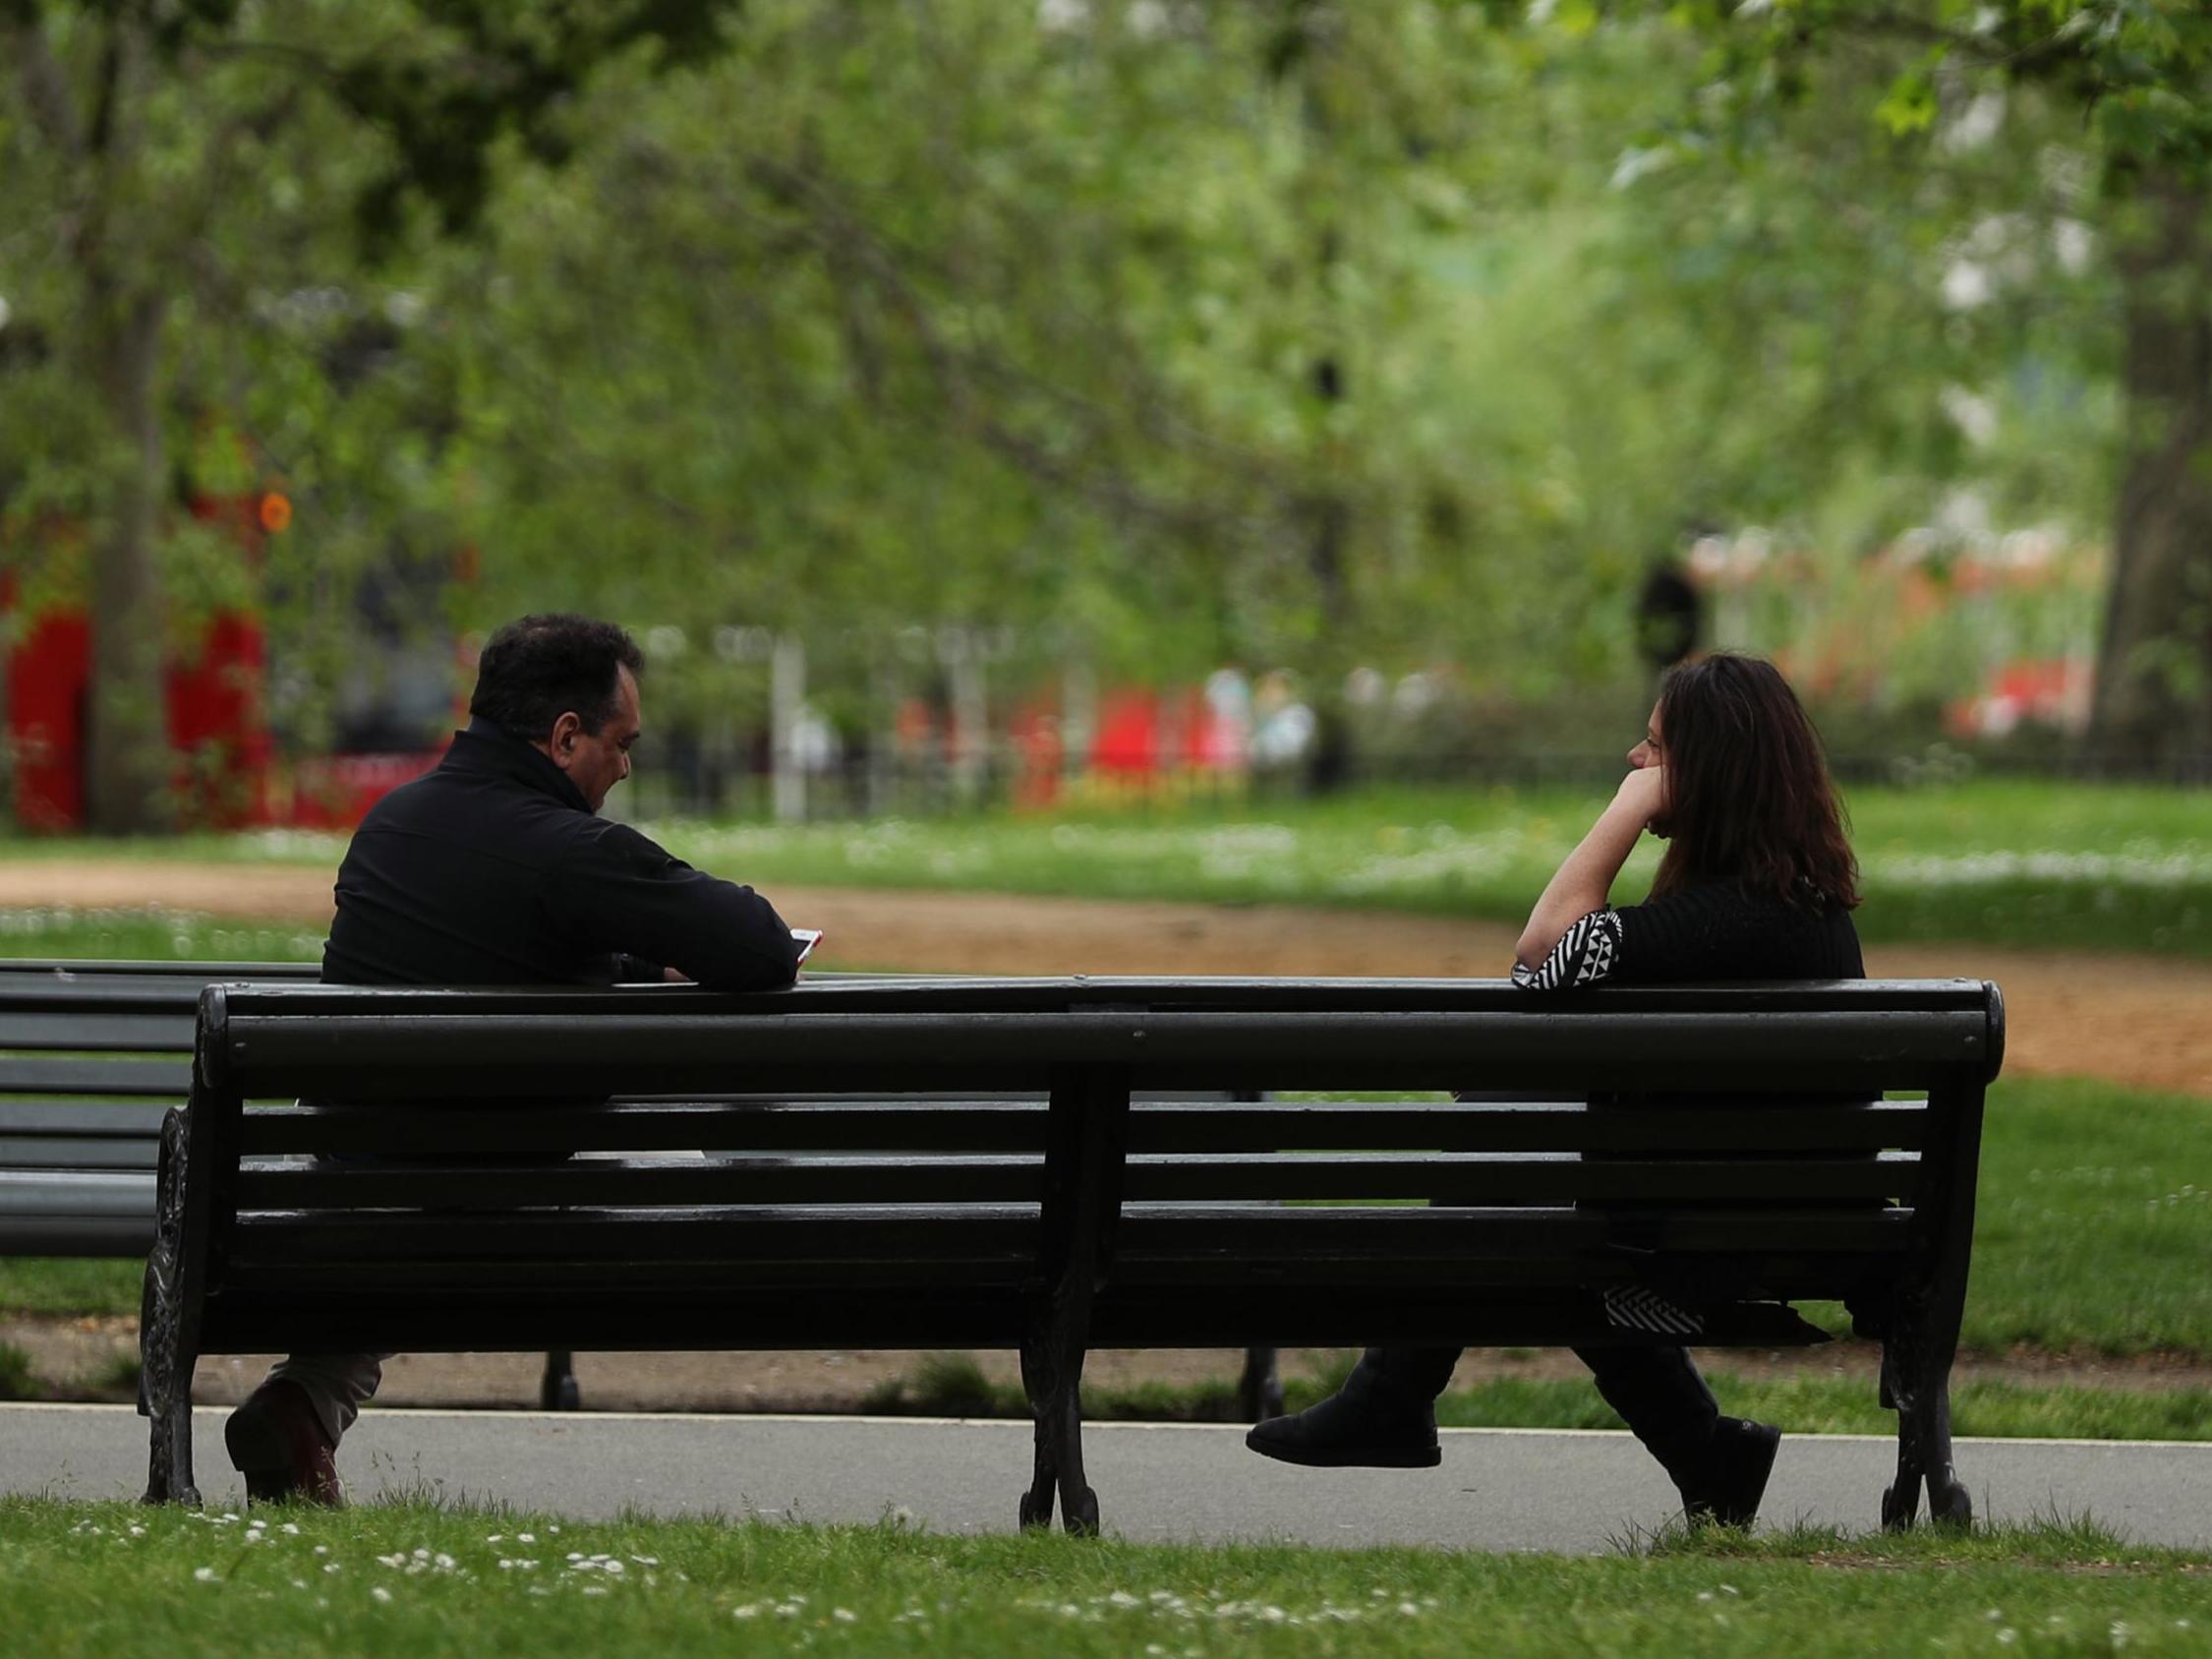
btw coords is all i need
(128, 771)
(2154, 670)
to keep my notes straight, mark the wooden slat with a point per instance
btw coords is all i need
(1534, 1126)
(95, 1152)
(1520, 1178)
(1185, 1238)
(666, 1183)
(74, 1212)
(113, 1119)
(448, 1128)
(123, 1033)
(968, 1125)
(165, 1080)
(766, 1235)
(604, 1306)
(108, 969)
(1511, 1179)
(1878, 999)
(381, 1047)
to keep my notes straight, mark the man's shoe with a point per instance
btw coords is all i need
(1727, 1489)
(277, 1443)
(1351, 1430)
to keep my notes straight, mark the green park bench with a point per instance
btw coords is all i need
(427, 1214)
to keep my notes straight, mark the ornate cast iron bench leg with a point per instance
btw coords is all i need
(1078, 1503)
(165, 1360)
(1052, 1374)
(1039, 1383)
(1086, 1140)
(557, 1389)
(1916, 1376)
(1260, 1390)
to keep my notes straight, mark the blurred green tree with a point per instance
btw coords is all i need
(2136, 75)
(145, 131)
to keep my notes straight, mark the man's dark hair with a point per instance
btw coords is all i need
(537, 668)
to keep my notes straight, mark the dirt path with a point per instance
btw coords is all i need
(89, 1359)
(2144, 1021)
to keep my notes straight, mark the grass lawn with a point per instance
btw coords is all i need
(1814, 1402)
(115, 1580)
(2039, 864)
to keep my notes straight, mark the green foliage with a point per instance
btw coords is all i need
(1142, 337)
(16, 1380)
(2140, 69)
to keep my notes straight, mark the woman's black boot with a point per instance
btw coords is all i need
(1719, 1465)
(1385, 1417)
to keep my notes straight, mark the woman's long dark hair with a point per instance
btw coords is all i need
(1748, 795)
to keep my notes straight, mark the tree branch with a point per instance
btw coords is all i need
(2033, 57)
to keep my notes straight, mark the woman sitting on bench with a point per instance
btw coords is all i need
(1758, 882)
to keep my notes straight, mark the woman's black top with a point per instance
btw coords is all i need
(1714, 931)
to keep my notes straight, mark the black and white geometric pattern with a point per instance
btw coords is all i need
(1633, 1308)
(1588, 952)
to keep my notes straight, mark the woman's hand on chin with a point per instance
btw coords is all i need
(1644, 792)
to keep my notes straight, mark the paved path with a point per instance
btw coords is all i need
(1499, 1489)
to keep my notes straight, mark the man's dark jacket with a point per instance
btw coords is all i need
(493, 870)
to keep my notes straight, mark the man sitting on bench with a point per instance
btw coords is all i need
(495, 869)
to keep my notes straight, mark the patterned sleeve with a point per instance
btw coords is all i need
(1586, 953)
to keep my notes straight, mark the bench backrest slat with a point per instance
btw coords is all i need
(116, 1032)
(159, 1080)
(965, 1125)
(90, 1120)
(1434, 1177)
(71, 1152)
